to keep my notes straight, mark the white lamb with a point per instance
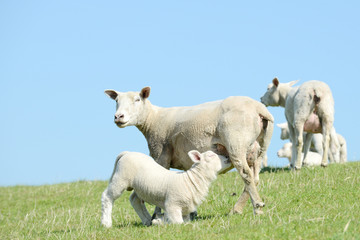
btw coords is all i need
(337, 144)
(235, 123)
(308, 108)
(178, 193)
(312, 158)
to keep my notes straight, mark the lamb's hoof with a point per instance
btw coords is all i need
(106, 224)
(193, 215)
(157, 221)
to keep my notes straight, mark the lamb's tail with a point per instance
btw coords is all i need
(116, 162)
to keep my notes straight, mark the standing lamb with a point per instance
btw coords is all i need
(235, 123)
(308, 108)
(178, 193)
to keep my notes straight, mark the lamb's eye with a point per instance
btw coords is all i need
(137, 99)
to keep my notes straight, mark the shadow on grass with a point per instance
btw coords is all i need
(275, 169)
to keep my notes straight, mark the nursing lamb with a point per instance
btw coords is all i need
(236, 123)
(308, 108)
(178, 193)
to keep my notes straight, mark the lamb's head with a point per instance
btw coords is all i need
(210, 161)
(276, 93)
(285, 151)
(284, 130)
(129, 106)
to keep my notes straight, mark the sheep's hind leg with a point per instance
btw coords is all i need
(140, 208)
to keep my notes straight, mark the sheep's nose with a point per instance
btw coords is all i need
(119, 116)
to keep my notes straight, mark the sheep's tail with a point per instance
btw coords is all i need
(116, 162)
(317, 96)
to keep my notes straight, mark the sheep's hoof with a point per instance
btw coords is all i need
(235, 212)
(324, 165)
(193, 215)
(258, 211)
(106, 224)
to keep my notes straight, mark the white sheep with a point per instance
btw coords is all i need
(236, 123)
(337, 144)
(308, 108)
(312, 158)
(178, 193)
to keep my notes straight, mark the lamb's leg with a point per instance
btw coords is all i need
(173, 215)
(107, 200)
(140, 208)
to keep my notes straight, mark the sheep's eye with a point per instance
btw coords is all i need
(137, 99)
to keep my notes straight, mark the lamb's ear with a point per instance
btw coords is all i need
(145, 92)
(293, 82)
(111, 93)
(275, 82)
(195, 156)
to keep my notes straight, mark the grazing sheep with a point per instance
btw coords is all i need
(312, 158)
(236, 123)
(178, 193)
(308, 108)
(337, 144)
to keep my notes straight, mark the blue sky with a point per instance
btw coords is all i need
(58, 57)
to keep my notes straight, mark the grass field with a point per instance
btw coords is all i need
(313, 203)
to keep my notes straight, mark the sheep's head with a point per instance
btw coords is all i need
(276, 93)
(129, 106)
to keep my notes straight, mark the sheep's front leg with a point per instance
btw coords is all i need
(140, 208)
(111, 193)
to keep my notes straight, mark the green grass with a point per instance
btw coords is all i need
(313, 203)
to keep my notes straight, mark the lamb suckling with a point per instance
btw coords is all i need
(178, 193)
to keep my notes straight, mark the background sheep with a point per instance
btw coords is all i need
(308, 108)
(312, 158)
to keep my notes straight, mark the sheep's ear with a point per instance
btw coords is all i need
(145, 92)
(195, 156)
(292, 83)
(111, 93)
(275, 82)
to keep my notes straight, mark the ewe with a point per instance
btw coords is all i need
(178, 193)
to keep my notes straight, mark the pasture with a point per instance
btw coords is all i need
(314, 203)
